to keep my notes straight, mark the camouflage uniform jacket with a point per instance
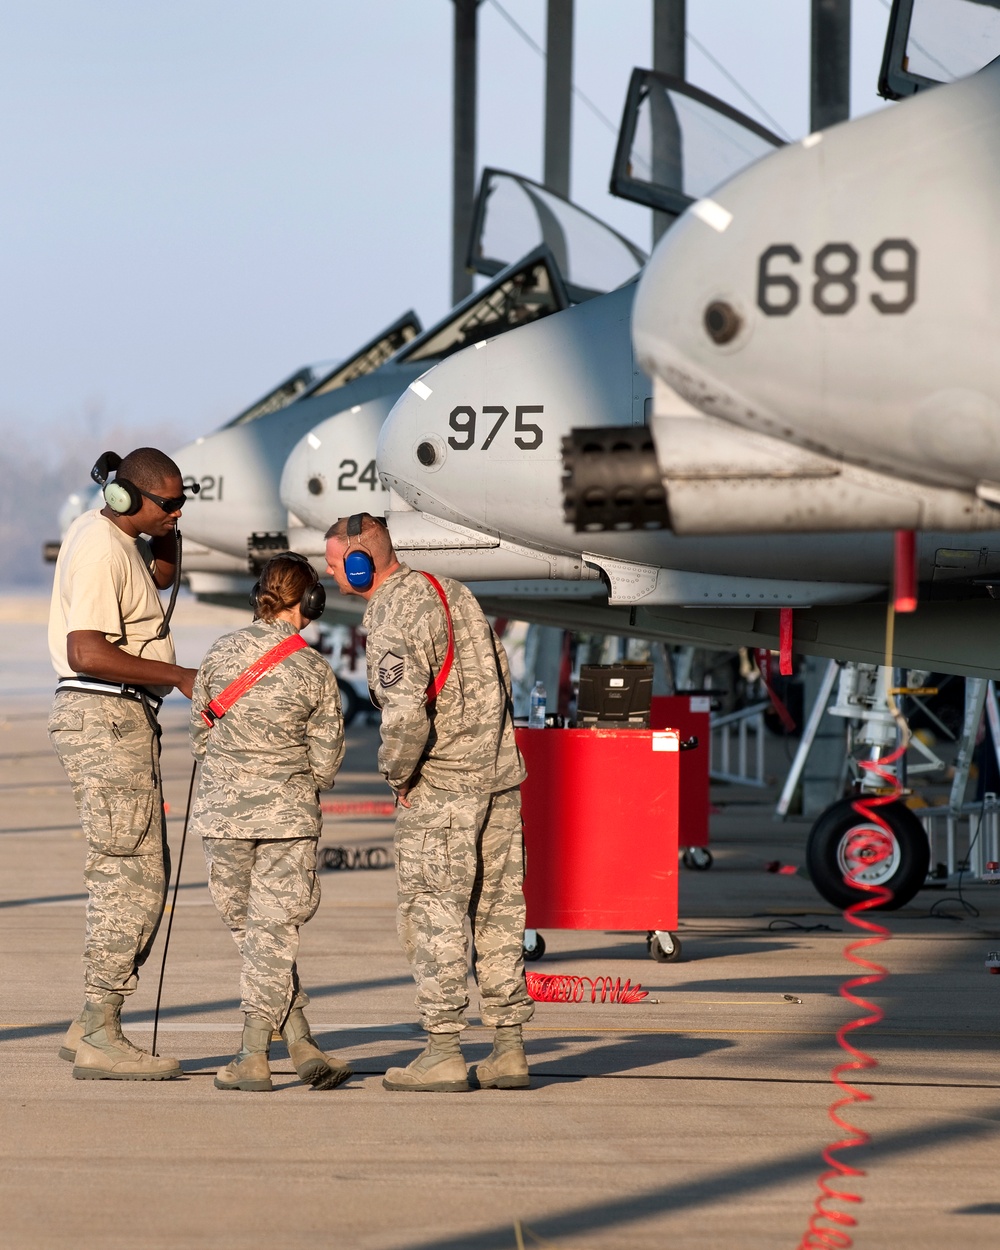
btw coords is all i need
(464, 740)
(265, 761)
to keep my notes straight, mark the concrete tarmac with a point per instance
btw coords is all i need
(695, 1118)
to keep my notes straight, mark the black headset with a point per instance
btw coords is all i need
(121, 495)
(359, 567)
(313, 602)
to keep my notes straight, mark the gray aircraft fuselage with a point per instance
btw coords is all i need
(570, 371)
(852, 278)
(239, 467)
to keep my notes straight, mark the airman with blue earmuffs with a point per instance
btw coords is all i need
(440, 676)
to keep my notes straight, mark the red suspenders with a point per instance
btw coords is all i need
(221, 704)
(437, 685)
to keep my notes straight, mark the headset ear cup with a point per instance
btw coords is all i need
(122, 497)
(313, 602)
(254, 594)
(359, 569)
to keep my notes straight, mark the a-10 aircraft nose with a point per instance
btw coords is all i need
(237, 495)
(477, 440)
(840, 293)
(331, 471)
(426, 449)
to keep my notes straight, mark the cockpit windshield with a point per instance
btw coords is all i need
(514, 214)
(935, 41)
(373, 355)
(676, 143)
(284, 393)
(327, 375)
(526, 291)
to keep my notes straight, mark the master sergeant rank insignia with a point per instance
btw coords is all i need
(390, 669)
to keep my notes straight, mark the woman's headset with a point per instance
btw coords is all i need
(313, 602)
(121, 495)
(359, 567)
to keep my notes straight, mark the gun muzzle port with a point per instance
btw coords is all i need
(722, 322)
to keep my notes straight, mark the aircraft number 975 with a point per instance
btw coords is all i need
(211, 488)
(349, 471)
(835, 267)
(527, 435)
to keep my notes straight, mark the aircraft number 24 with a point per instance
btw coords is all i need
(527, 435)
(349, 471)
(835, 269)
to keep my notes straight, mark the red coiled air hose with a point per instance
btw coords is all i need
(827, 1224)
(570, 989)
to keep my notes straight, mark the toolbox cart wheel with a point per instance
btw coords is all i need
(664, 947)
(697, 858)
(534, 945)
(838, 829)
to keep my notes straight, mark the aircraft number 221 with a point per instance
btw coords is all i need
(527, 435)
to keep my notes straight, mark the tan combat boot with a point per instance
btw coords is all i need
(103, 1054)
(249, 1070)
(313, 1066)
(73, 1038)
(439, 1068)
(506, 1066)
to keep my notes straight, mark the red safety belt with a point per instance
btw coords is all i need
(221, 704)
(437, 685)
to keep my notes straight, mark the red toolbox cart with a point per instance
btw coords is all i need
(691, 716)
(600, 811)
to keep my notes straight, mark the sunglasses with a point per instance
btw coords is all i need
(171, 505)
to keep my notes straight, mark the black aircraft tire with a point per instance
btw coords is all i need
(904, 872)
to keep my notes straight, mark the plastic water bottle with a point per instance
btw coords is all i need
(536, 712)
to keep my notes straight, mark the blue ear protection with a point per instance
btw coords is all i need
(359, 567)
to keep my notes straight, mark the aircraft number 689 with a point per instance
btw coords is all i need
(835, 267)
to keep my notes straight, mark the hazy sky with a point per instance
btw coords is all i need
(199, 196)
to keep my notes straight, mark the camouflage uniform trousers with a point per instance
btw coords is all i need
(264, 890)
(111, 753)
(461, 855)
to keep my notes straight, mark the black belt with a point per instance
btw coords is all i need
(118, 690)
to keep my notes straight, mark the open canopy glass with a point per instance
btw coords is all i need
(676, 143)
(935, 41)
(514, 214)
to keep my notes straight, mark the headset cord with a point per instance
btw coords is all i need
(164, 629)
(173, 905)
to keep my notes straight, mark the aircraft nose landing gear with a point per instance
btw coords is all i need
(841, 837)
